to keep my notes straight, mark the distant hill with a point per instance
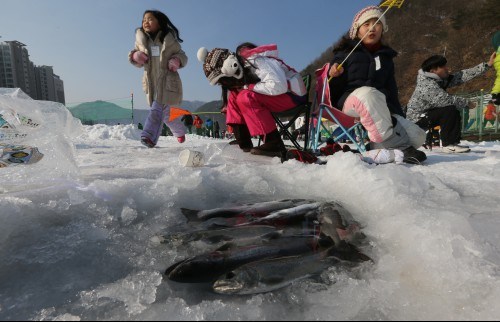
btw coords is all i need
(140, 115)
(110, 113)
(188, 105)
(459, 29)
(205, 111)
(213, 106)
(100, 110)
(191, 105)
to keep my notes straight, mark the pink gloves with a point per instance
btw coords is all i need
(173, 64)
(139, 57)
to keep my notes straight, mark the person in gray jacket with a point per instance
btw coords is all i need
(430, 105)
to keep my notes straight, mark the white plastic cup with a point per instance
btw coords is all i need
(190, 158)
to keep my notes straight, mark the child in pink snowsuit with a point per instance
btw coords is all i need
(255, 83)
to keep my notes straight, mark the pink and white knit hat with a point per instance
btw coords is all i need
(363, 16)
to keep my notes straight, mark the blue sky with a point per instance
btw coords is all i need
(87, 41)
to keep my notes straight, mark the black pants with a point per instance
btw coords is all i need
(448, 118)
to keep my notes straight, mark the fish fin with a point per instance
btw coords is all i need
(315, 277)
(363, 257)
(348, 252)
(217, 239)
(216, 226)
(190, 214)
(272, 235)
(274, 279)
(225, 247)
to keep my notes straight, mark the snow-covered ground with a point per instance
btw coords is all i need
(76, 231)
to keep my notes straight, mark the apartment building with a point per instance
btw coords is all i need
(18, 71)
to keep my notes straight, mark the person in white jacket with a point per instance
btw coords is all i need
(255, 83)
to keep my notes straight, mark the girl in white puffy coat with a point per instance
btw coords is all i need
(158, 51)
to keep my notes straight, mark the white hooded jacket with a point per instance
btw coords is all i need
(276, 77)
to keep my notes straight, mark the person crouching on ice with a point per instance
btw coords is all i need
(255, 83)
(158, 50)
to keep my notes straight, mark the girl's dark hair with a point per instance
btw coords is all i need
(165, 24)
(245, 45)
(434, 62)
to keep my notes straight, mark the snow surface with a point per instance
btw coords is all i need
(77, 230)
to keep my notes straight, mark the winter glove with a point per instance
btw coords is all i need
(173, 64)
(140, 58)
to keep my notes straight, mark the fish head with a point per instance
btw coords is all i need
(237, 281)
(329, 214)
(331, 221)
(199, 269)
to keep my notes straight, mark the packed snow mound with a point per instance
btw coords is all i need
(49, 126)
(115, 132)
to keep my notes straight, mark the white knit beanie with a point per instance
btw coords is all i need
(363, 16)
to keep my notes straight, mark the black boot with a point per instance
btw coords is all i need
(242, 136)
(273, 146)
(413, 156)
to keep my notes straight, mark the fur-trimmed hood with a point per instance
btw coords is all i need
(159, 83)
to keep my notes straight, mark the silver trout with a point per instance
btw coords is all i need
(272, 274)
(256, 210)
(208, 267)
(281, 218)
(285, 217)
(219, 235)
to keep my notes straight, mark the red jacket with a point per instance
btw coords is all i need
(198, 122)
(490, 112)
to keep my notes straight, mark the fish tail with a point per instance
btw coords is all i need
(190, 214)
(348, 252)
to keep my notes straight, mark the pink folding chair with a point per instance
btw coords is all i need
(322, 108)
